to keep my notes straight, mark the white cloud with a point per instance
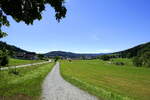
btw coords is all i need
(97, 51)
(105, 51)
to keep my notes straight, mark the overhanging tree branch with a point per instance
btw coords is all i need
(28, 11)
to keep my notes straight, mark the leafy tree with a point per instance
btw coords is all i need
(146, 59)
(142, 60)
(105, 57)
(56, 58)
(41, 56)
(28, 11)
(137, 61)
(4, 59)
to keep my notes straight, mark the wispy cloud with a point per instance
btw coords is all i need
(105, 51)
(95, 37)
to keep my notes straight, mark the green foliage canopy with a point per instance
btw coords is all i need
(4, 60)
(28, 11)
(142, 60)
(56, 58)
(105, 57)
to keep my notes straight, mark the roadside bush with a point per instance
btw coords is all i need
(4, 59)
(137, 61)
(13, 71)
(40, 56)
(105, 57)
(119, 63)
(56, 58)
(143, 60)
(146, 59)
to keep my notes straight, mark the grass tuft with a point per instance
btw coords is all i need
(27, 84)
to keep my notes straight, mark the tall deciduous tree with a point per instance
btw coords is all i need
(28, 11)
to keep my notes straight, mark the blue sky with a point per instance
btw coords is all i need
(91, 26)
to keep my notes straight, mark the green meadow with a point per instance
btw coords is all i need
(108, 81)
(24, 86)
(14, 62)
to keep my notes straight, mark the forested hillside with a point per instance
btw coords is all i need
(13, 50)
(135, 51)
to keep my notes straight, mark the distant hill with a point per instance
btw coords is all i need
(71, 55)
(10, 47)
(132, 52)
(23, 54)
(15, 51)
(135, 51)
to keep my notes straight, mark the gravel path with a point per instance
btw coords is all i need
(26, 65)
(56, 88)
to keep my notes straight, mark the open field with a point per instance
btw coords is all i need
(26, 85)
(126, 61)
(14, 62)
(108, 81)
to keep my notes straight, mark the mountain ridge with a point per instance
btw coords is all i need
(71, 54)
(12, 48)
(134, 51)
(131, 52)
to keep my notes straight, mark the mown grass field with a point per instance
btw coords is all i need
(126, 61)
(109, 81)
(26, 85)
(14, 62)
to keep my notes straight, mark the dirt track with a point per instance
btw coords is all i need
(56, 88)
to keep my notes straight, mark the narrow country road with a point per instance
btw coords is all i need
(26, 65)
(56, 88)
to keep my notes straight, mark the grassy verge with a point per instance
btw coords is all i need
(26, 85)
(14, 62)
(108, 81)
